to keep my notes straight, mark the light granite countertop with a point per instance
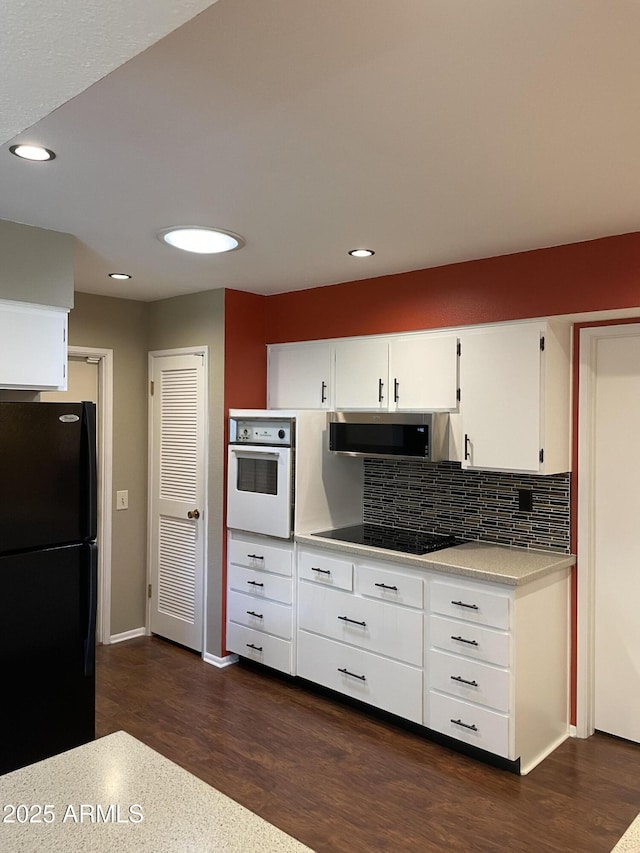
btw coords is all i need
(630, 841)
(118, 794)
(480, 560)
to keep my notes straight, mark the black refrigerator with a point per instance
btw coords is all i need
(48, 579)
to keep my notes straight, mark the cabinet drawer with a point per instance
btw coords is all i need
(261, 584)
(326, 570)
(262, 648)
(469, 723)
(469, 679)
(259, 614)
(389, 586)
(392, 686)
(474, 641)
(374, 625)
(471, 603)
(255, 554)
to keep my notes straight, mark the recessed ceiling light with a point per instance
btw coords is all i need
(361, 253)
(32, 152)
(120, 276)
(201, 239)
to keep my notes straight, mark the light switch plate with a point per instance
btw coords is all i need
(122, 499)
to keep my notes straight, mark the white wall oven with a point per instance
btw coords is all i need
(260, 474)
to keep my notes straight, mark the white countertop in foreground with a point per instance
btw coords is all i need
(630, 841)
(480, 560)
(179, 812)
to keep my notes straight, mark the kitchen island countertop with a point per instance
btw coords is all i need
(480, 560)
(630, 841)
(147, 803)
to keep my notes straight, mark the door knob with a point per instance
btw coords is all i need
(193, 513)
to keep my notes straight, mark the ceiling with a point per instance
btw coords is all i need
(432, 131)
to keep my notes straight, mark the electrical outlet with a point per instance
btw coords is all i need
(525, 500)
(122, 499)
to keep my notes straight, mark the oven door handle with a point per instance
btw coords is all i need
(245, 453)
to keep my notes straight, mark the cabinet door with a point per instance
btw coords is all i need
(33, 347)
(299, 376)
(362, 369)
(501, 398)
(424, 373)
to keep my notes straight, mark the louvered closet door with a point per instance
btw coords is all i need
(178, 518)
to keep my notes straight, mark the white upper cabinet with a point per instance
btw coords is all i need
(423, 373)
(399, 373)
(515, 397)
(33, 347)
(299, 376)
(362, 374)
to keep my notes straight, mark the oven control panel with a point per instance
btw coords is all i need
(261, 431)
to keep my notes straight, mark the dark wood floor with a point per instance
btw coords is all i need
(340, 780)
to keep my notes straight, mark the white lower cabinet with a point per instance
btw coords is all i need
(484, 663)
(260, 647)
(373, 625)
(497, 671)
(260, 596)
(469, 680)
(388, 684)
(477, 726)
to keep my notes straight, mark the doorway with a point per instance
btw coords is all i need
(609, 549)
(90, 377)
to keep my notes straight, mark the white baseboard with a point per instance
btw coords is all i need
(128, 635)
(220, 663)
(573, 731)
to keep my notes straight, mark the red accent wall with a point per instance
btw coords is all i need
(590, 276)
(245, 379)
(245, 353)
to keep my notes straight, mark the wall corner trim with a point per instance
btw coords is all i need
(219, 662)
(128, 635)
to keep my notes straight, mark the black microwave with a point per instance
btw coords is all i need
(390, 435)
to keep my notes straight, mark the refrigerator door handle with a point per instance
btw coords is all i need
(92, 601)
(89, 464)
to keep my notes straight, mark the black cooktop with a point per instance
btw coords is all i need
(392, 538)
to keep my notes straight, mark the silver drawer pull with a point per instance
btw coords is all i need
(352, 621)
(464, 725)
(253, 613)
(321, 571)
(462, 640)
(255, 557)
(352, 674)
(251, 646)
(384, 586)
(255, 583)
(463, 604)
(464, 680)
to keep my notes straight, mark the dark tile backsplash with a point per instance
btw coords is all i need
(479, 505)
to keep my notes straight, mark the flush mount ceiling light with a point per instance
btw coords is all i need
(32, 152)
(119, 276)
(201, 239)
(361, 253)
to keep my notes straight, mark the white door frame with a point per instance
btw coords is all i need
(204, 352)
(589, 337)
(104, 359)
